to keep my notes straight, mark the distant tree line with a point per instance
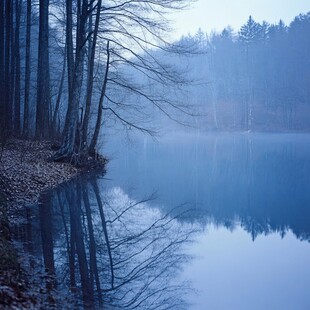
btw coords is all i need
(66, 66)
(256, 79)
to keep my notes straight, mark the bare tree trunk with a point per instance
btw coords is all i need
(2, 71)
(8, 30)
(54, 121)
(72, 112)
(43, 76)
(75, 69)
(27, 71)
(214, 107)
(90, 78)
(93, 144)
(18, 8)
(213, 90)
(12, 68)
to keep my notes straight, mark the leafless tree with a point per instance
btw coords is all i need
(43, 75)
(129, 29)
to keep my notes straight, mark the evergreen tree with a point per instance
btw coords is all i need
(250, 32)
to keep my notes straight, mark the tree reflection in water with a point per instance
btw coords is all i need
(111, 251)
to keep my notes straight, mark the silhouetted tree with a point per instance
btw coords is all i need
(43, 106)
(27, 70)
(17, 95)
(2, 70)
(8, 56)
(116, 24)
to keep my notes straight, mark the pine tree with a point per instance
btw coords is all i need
(250, 32)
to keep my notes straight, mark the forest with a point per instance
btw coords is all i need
(77, 78)
(68, 67)
(256, 79)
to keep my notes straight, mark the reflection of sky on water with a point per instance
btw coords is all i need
(247, 187)
(233, 272)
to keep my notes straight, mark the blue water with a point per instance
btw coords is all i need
(252, 194)
(190, 221)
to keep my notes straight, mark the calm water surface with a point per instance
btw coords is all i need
(215, 221)
(253, 191)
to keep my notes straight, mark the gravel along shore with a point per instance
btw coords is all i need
(25, 171)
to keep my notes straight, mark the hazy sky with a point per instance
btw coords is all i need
(217, 14)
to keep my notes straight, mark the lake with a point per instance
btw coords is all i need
(191, 221)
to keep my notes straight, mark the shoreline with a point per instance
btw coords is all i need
(25, 173)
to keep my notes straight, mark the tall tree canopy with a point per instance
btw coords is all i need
(85, 50)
